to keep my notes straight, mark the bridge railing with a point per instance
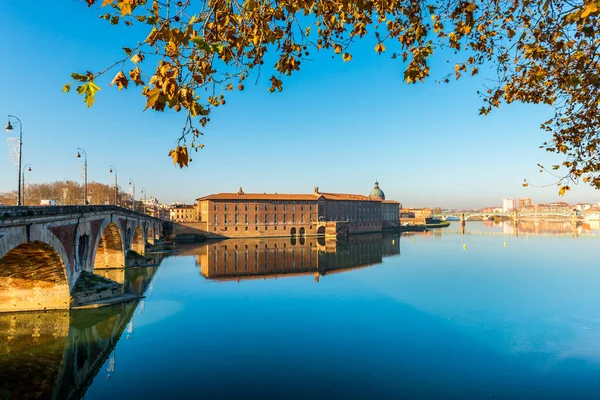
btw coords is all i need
(33, 211)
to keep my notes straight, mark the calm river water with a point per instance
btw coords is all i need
(493, 312)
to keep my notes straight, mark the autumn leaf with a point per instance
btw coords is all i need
(120, 80)
(88, 90)
(66, 88)
(379, 48)
(347, 57)
(563, 189)
(135, 76)
(152, 97)
(179, 156)
(337, 48)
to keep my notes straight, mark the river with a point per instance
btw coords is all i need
(495, 311)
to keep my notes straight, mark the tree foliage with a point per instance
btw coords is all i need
(542, 51)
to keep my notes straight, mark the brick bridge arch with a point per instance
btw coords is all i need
(34, 274)
(43, 250)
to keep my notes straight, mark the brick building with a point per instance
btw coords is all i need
(273, 214)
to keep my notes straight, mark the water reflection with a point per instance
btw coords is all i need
(57, 354)
(252, 258)
(526, 228)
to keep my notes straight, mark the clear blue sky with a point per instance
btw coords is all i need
(337, 125)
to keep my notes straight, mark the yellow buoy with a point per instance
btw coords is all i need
(504, 244)
(464, 246)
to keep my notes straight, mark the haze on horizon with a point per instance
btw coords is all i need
(336, 125)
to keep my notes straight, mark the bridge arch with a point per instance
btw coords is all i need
(110, 252)
(138, 241)
(150, 235)
(33, 276)
(321, 230)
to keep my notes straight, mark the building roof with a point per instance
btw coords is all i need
(290, 197)
(390, 202)
(259, 196)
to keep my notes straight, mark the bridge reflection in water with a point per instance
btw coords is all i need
(254, 258)
(57, 354)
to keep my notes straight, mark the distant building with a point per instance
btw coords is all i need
(415, 216)
(272, 214)
(183, 213)
(525, 202)
(509, 205)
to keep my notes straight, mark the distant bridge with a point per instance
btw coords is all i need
(44, 250)
(466, 215)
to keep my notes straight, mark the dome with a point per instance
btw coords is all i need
(377, 193)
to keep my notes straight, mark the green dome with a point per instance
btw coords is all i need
(377, 193)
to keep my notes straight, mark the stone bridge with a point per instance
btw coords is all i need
(45, 250)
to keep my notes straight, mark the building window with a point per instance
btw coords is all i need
(225, 206)
(302, 207)
(266, 207)
(311, 218)
(236, 218)
(275, 207)
(214, 206)
(256, 219)
(310, 207)
(225, 219)
(236, 207)
(293, 207)
(266, 219)
(275, 219)
(246, 219)
(284, 219)
(293, 218)
(283, 206)
(246, 207)
(302, 218)
(215, 219)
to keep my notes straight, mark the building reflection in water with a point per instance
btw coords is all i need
(57, 354)
(543, 227)
(252, 258)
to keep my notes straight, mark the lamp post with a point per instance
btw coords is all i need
(23, 181)
(132, 183)
(9, 129)
(111, 170)
(85, 200)
(144, 192)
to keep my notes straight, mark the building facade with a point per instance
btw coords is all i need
(509, 205)
(183, 213)
(254, 214)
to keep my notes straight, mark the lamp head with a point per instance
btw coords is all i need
(29, 169)
(78, 155)
(9, 127)
(110, 171)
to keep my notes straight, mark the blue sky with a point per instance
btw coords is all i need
(336, 125)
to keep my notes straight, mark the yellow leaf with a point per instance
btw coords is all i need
(120, 80)
(347, 57)
(135, 76)
(590, 8)
(563, 189)
(88, 90)
(337, 48)
(152, 96)
(379, 48)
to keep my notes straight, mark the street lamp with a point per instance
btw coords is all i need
(85, 200)
(111, 170)
(23, 181)
(9, 129)
(132, 183)
(144, 192)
